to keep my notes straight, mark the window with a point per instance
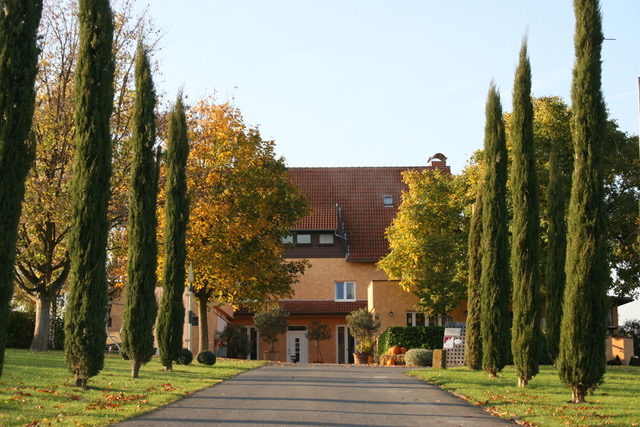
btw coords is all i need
(416, 318)
(345, 291)
(387, 201)
(326, 239)
(303, 239)
(287, 240)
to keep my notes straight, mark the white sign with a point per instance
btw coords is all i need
(452, 332)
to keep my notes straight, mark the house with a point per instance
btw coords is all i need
(343, 238)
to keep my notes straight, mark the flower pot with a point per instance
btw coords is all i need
(360, 358)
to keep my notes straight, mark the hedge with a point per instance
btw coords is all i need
(427, 337)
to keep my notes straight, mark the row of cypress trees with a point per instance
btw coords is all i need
(576, 313)
(85, 332)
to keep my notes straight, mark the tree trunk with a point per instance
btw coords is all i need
(43, 319)
(135, 368)
(167, 367)
(522, 382)
(577, 394)
(203, 326)
(81, 382)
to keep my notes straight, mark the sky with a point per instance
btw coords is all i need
(383, 83)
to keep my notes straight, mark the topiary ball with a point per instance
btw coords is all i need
(418, 357)
(185, 358)
(207, 358)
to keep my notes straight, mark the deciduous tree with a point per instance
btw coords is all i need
(428, 241)
(581, 362)
(242, 205)
(140, 302)
(18, 65)
(85, 333)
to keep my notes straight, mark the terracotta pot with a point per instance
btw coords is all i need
(360, 358)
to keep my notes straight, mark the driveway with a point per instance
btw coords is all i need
(320, 395)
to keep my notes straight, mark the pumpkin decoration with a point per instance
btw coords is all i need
(391, 362)
(403, 350)
(394, 350)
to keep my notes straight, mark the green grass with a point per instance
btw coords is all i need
(544, 402)
(37, 389)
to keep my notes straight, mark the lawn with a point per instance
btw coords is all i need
(545, 401)
(37, 389)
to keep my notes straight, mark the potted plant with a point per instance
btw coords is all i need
(271, 321)
(363, 325)
(318, 332)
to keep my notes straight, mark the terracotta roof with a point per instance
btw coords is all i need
(359, 192)
(314, 307)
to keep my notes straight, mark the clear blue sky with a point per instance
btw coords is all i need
(383, 83)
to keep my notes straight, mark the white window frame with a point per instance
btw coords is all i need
(344, 288)
(305, 235)
(328, 237)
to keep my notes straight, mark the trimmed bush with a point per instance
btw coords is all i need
(185, 358)
(207, 358)
(419, 357)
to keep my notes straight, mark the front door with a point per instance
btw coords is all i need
(297, 345)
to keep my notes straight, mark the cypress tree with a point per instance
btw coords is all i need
(581, 361)
(526, 335)
(473, 337)
(171, 316)
(495, 278)
(18, 67)
(85, 329)
(556, 255)
(140, 303)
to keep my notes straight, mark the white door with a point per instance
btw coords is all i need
(297, 347)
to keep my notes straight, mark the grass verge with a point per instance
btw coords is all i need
(37, 389)
(544, 402)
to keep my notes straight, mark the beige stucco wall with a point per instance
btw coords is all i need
(387, 297)
(318, 281)
(620, 346)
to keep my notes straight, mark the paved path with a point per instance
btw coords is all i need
(320, 395)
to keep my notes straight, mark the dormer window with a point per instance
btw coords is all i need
(387, 201)
(303, 239)
(326, 239)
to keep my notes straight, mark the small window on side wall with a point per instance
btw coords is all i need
(387, 201)
(326, 239)
(287, 240)
(345, 291)
(303, 239)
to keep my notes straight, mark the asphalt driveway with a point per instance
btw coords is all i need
(320, 395)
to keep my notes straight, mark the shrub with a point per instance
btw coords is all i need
(236, 340)
(185, 358)
(363, 325)
(419, 357)
(207, 358)
(21, 326)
